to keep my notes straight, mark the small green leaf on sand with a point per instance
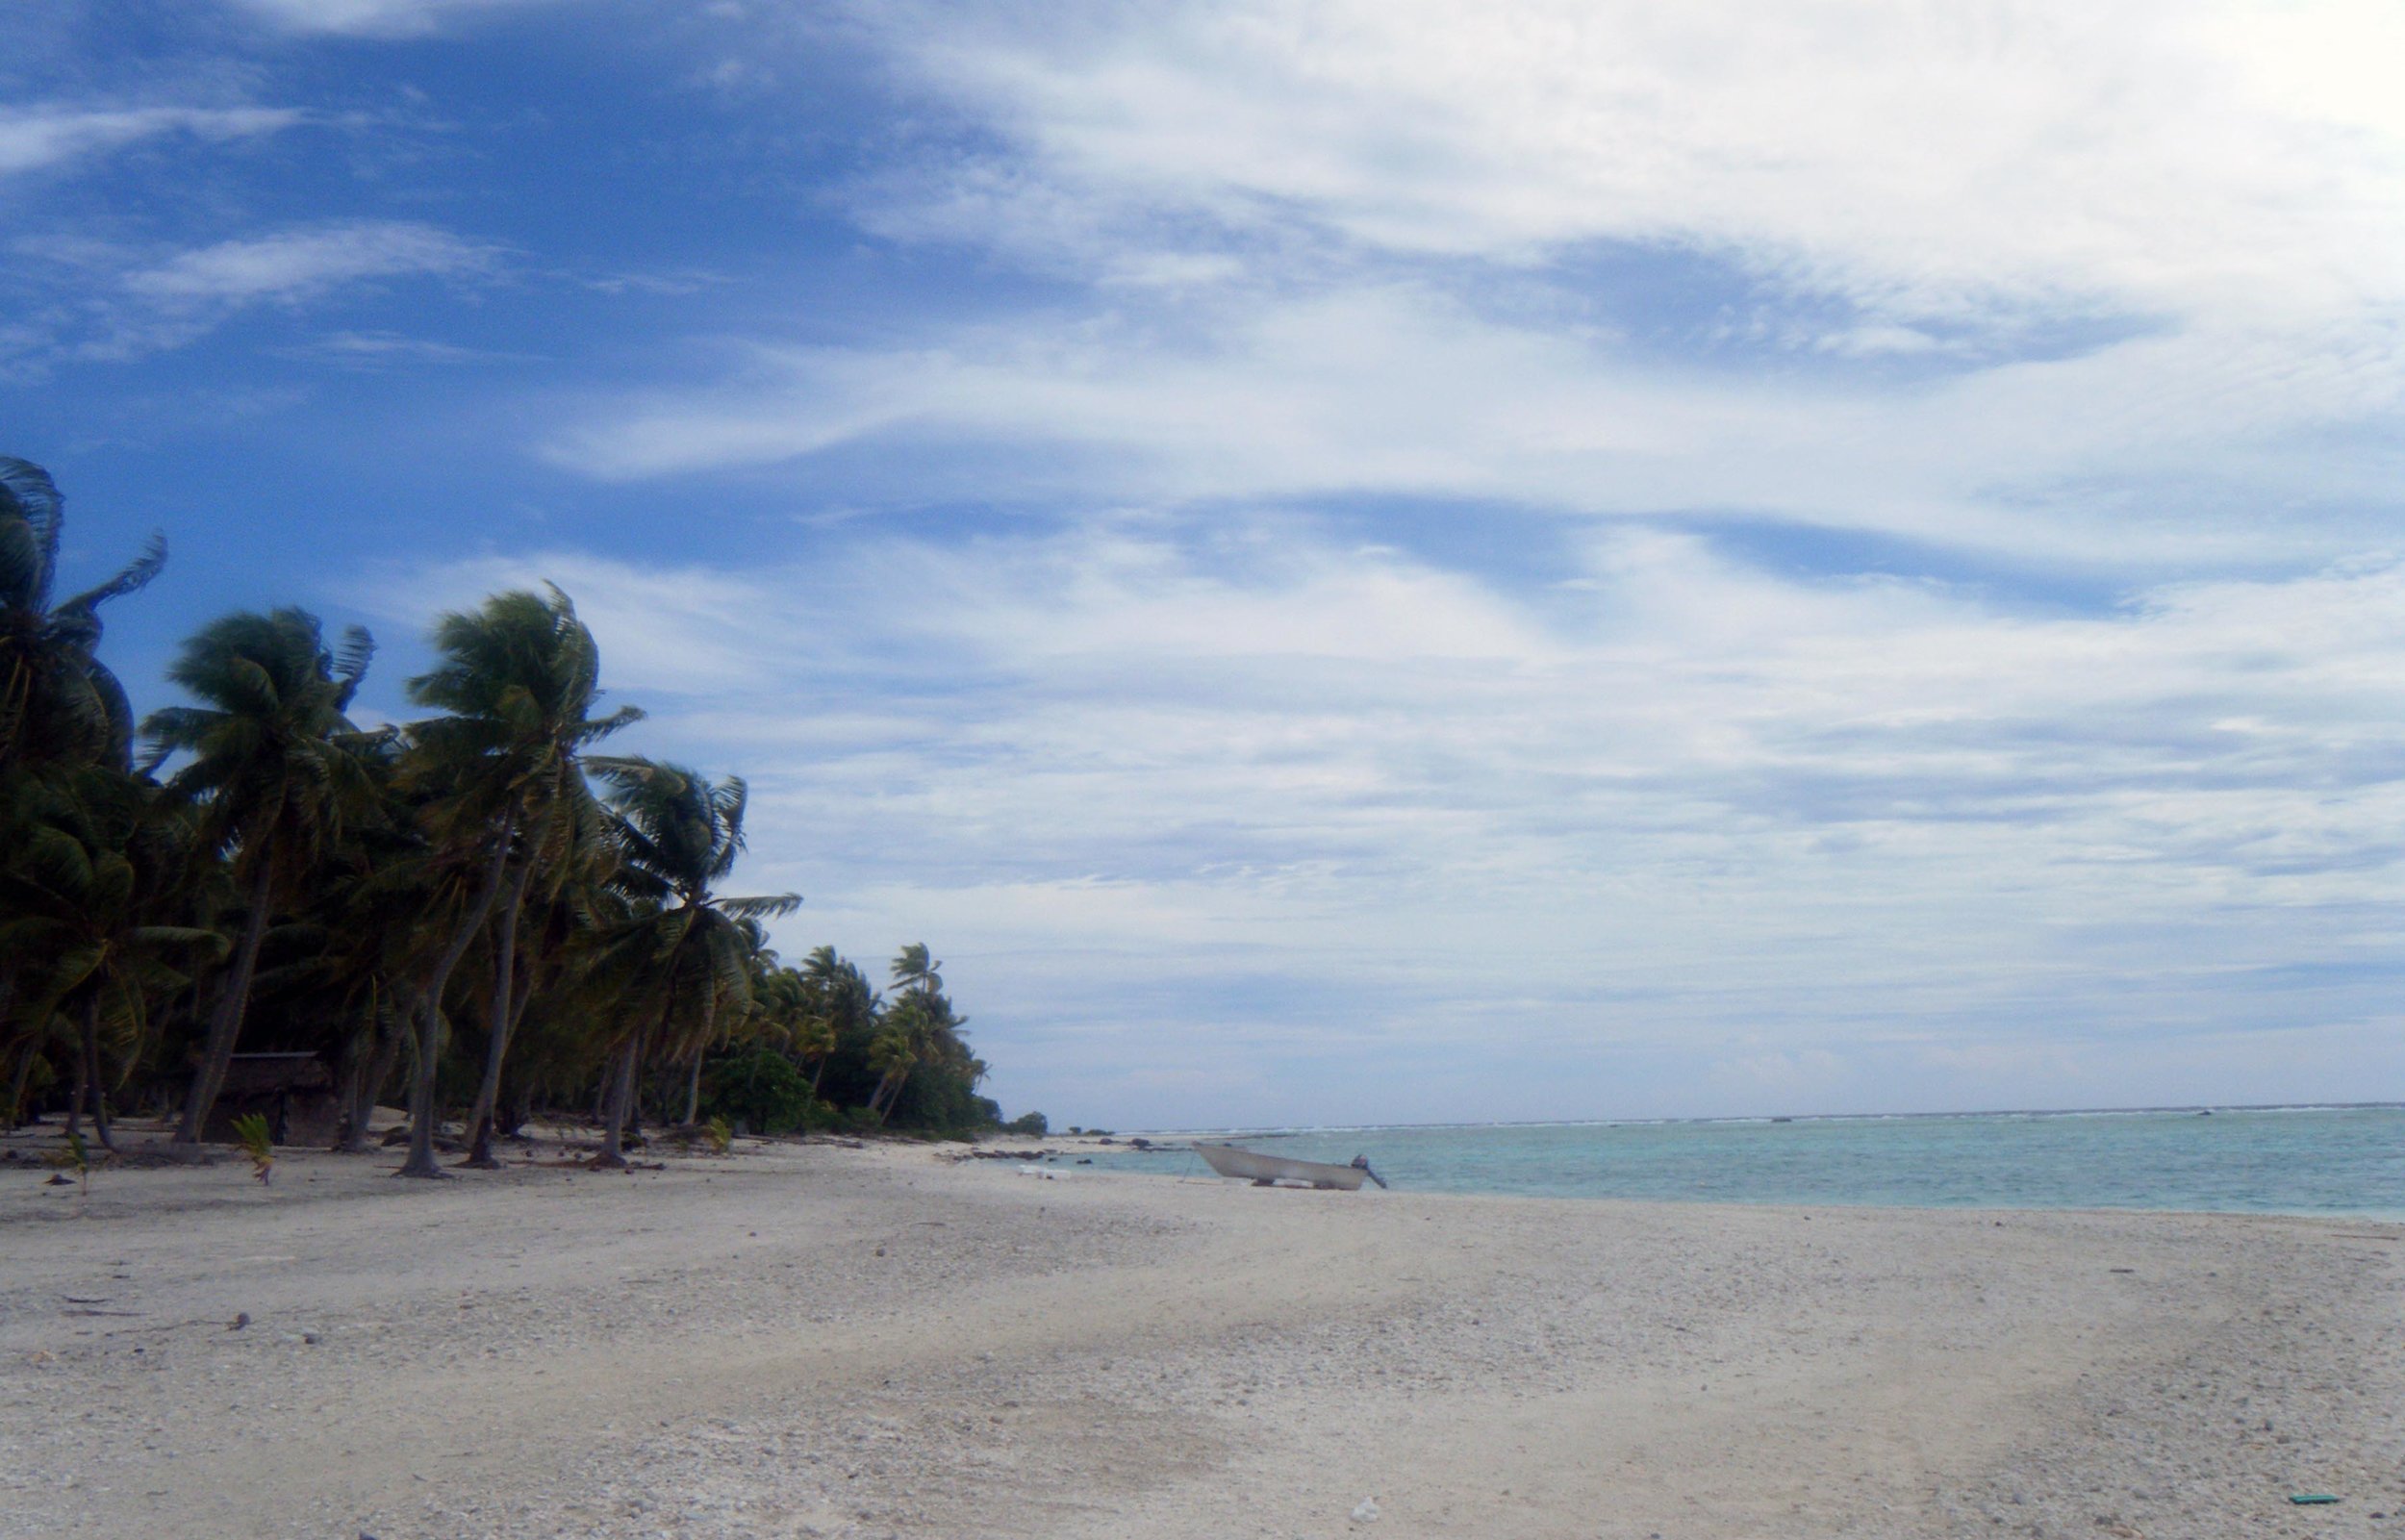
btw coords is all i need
(2302, 1499)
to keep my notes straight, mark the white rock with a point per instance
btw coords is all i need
(1366, 1512)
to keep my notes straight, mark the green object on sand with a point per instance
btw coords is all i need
(2302, 1499)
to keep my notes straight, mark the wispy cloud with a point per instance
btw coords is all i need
(112, 302)
(375, 18)
(298, 264)
(131, 303)
(371, 350)
(1917, 157)
(35, 138)
(1401, 390)
(1961, 276)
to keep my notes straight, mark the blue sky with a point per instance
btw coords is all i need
(1350, 562)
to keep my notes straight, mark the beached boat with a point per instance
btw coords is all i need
(1271, 1171)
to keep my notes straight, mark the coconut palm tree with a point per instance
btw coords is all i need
(915, 972)
(795, 1017)
(919, 1028)
(277, 773)
(519, 678)
(733, 1016)
(893, 1052)
(468, 846)
(686, 943)
(842, 998)
(85, 895)
(571, 915)
(59, 706)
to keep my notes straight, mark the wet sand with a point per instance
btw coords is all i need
(815, 1339)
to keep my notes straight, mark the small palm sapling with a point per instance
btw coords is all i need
(251, 1128)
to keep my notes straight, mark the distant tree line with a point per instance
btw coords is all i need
(476, 907)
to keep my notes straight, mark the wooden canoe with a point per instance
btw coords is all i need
(1271, 1171)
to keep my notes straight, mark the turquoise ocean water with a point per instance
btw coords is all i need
(2294, 1160)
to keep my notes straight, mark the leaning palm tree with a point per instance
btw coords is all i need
(467, 843)
(566, 986)
(57, 699)
(846, 1005)
(918, 1028)
(276, 771)
(59, 706)
(916, 973)
(791, 1017)
(893, 1051)
(685, 942)
(520, 679)
(918, 1031)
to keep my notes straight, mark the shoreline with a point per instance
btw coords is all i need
(817, 1340)
(2329, 1173)
(567, 1147)
(2190, 1109)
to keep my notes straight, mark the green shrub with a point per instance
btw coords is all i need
(763, 1091)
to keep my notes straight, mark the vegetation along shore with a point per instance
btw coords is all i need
(251, 901)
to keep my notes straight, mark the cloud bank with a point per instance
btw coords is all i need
(1197, 795)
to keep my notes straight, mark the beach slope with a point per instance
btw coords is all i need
(821, 1341)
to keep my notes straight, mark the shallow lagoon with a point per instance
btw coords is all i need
(2300, 1160)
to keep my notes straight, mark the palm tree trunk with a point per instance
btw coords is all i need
(613, 1156)
(880, 1099)
(504, 1018)
(25, 1062)
(388, 1053)
(225, 1023)
(354, 1070)
(89, 1048)
(888, 1112)
(509, 1116)
(16, 1083)
(429, 1027)
(820, 1074)
(75, 1100)
(430, 1021)
(709, 1025)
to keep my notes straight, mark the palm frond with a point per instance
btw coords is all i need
(134, 576)
(769, 906)
(350, 664)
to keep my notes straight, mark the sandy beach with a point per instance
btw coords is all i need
(815, 1340)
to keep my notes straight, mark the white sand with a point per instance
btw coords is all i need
(821, 1341)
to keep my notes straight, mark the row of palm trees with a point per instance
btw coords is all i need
(477, 898)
